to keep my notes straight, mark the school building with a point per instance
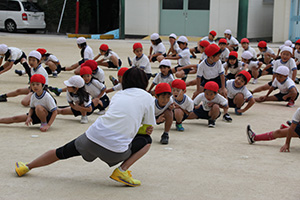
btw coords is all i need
(274, 19)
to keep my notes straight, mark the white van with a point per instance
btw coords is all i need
(21, 14)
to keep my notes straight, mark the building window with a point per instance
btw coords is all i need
(198, 4)
(173, 4)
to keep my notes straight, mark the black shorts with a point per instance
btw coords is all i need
(149, 75)
(236, 48)
(231, 104)
(202, 114)
(105, 102)
(262, 59)
(36, 120)
(81, 61)
(111, 64)
(19, 60)
(297, 129)
(58, 69)
(196, 50)
(217, 80)
(185, 116)
(77, 113)
(155, 57)
(280, 95)
(230, 76)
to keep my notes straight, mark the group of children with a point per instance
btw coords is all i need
(221, 80)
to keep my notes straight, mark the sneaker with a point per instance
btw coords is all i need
(254, 81)
(125, 178)
(19, 72)
(21, 168)
(101, 112)
(118, 68)
(113, 80)
(54, 74)
(291, 103)
(164, 138)
(250, 135)
(54, 90)
(289, 122)
(211, 123)
(179, 127)
(236, 111)
(84, 120)
(297, 80)
(227, 118)
(129, 61)
(3, 98)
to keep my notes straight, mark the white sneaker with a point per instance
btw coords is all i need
(101, 112)
(254, 81)
(84, 120)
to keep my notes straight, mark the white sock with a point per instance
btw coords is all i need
(121, 169)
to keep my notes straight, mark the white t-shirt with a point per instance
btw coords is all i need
(176, 47)
(94, 88)
(219, 99)
(142, 63)
(203, 56)
(159, 110)
(117, 87)
(231, 68)
(184, 57)
(232, 41)
(253, 64)
(45, 100)
(51, 57)
(291, 64)
(285, 86)
(269, 50)
(99, 75)
(159, 78)
(88, 53)
(224, 55)
(251, 51)
(186, 103)
(15, 54)
(75, 99)
(160, 48)
(127, 110)
(207, 39)
(111, 53)
(232, 90)
(296, 116)
(209, 71)
(40, 70)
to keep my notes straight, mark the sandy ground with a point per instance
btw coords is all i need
(199, 163)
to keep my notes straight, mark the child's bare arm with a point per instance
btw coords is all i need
(286, 146)
(96, 57)
(249, 105)
(292, 92)
(152, 85)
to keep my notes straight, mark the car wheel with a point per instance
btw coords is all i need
(10, 26)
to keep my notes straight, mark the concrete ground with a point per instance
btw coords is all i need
(199, 163)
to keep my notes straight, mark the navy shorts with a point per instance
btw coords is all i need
(230, 76)
(155, 57)
(280, 95)
(105, 102)
(111, 64)
(19, 60)
(196, 50)
(58, 69)
(36, 120)
(217, 80)
(185, 116)
(202, 114)
(77, 113)
(186, 71)
(297, 129)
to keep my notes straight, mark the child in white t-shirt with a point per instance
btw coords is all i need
(246, 47)
(224, 50)
(252, 64)
(210, 39)
(232, 42)
(210, 107)
(157, 48)
(110, 59)
(117, 83)
(174, 48)
(266, 53)
(284, 131)
(112, 137)
(141, 60)
(233, 66)
(184, 105)
(288, 91)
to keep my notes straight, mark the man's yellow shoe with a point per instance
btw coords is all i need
(125, 178)
(21, 168)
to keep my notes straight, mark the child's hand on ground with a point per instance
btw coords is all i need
(28, 121)
(285, 148)
(45, 128)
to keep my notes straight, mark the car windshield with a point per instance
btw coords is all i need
(30, 7)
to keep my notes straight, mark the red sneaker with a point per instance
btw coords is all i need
(291, 103)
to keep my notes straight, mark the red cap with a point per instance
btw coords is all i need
(262, 44)
(91, 63)
(42, 51)
(178, 83)
(297, 42)
(213, 33)
(137, 45)
(103, 47)
(162, 87)
(212, 50)
(38, 78)
(122, 71)
(204, 43)
(85, 70)
(223, 40)
(233, 53)
(246, 74)
(211, 85)
(245, 40)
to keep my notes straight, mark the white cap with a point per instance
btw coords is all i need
(3, 48)
(165, 62)
(75, 81)
(182, 39)
(286, 48)
(35, 54)
(154, 36)
(81, 40)
(247, 55)
(172, 35)
(283, 70)
(227, 31)
(288, 43)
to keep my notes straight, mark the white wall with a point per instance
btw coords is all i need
(281, 20)
(142, 17)
(223, 15)
(260, 19)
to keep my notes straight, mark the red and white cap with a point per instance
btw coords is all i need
(172, 35)
(103, 47)
(262, 44)
(81, 40)
(182, 39)
(137, 46)
(75, 81)
(162, 87)
(222, 41)
(204, 43)
(3, 48)
(178, 83)
(245, 40)
(122, 71)
(288, 49)
(212, 50)
(38, 78)
(154, 36)
(85, 70)
(283, 70)
(165, 62)
(211, 85)
(227, 31)
(213, 33)
(35, 54)
(247, 55)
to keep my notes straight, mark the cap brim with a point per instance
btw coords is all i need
(68, 84)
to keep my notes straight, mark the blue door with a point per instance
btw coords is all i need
(184, 17)
(294, 32)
